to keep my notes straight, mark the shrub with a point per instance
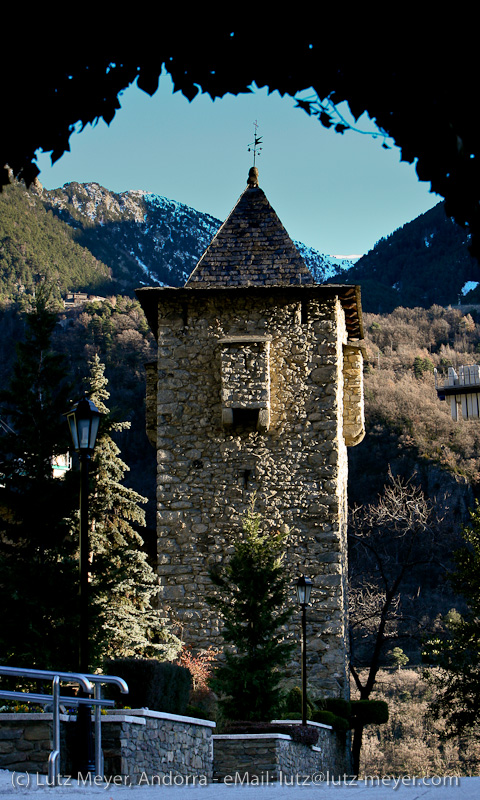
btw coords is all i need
(306, 734)
(199, 665)
(369, 712)
(293, 702)
(291, 715)
(398, 657)
(337, 705)
(160, 686)
(293, 699)
(339, 724)
(197, 712)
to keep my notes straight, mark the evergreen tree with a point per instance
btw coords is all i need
(455, 652)
(252, 590)
(124, 585)
(38, 579)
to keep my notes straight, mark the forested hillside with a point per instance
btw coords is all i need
(410, 433)
(145, 239)
(84, 237)
(406, 423)
(34, 243)
(423, 263)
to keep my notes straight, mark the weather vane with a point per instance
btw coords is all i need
(255, 146)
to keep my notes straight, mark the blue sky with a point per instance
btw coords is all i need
(337, 193)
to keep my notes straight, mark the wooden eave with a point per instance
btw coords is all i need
(348, 294)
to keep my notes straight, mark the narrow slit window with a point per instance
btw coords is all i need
(304, 312)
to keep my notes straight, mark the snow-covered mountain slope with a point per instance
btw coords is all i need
(323, 267)
(146, 239)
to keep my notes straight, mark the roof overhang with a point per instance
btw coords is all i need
(348, 295)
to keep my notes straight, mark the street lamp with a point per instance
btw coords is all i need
(83, 420)
(304, 588)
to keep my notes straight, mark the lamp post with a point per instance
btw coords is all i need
(304, 588)
(83, 420)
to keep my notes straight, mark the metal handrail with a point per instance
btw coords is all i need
(48, 674)
(97, 680)
(90, 683)
(46, 699)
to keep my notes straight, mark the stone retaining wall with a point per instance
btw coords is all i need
(239, 758)
(145, 744)
(136, 744)
(142, 746)
(26, 741)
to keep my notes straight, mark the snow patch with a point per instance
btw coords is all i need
(428, 239)
(353, 258)
(468, 286)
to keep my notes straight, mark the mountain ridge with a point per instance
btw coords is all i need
(423, 263)
(144, 237)
(84, 237)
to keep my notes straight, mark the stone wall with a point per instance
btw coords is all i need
(151, 401)
(137, 745)
(275, 757)
(143, 744)
(26, 741)
(353, 406)
(292, 457)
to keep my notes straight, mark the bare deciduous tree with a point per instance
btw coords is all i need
(388, 541)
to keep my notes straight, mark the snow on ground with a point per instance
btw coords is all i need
(22, 784)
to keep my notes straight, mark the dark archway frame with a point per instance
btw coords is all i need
(418, 85)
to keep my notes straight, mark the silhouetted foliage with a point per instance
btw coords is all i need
(408, 100)
(38, 572)
(159, 686)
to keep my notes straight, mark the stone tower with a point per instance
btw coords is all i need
(257, 389)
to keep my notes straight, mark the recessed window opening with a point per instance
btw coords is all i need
(246, 475)
(245, 418)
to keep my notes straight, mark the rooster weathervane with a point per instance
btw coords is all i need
(255, 146)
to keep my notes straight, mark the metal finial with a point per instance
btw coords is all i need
(252, 177)
(255, 146)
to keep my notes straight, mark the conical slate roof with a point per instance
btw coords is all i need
(252, 248)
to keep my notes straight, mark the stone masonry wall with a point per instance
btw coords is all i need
(151, 401)
(137, 746)
(353, 407)
(241, 758)
(26, 741)
(145, 744)
(297, 469)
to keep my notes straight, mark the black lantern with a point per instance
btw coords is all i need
(83, 420)
(304, 589)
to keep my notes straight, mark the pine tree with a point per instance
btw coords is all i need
(124, 585)
(455, 652)
(38, 579)
(252, 590)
